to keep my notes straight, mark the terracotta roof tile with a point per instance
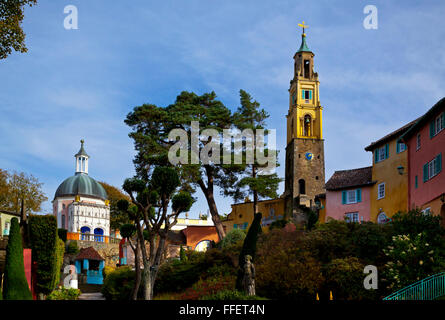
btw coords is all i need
(89, 254)
(350, 178)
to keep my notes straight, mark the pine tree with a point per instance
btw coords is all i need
(15, 283)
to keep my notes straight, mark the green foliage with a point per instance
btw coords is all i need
(176, 275)
(344, 277)
(182, 255)
(43, 235)
(128, 230)
(249, 247)
(232, 237)
(411, 259)
(230, 295)
(278, 224)
(64, 294)
(117, 218)
(62, 234)
(107, 270)
(60, 251)
(182, 202)
(15, 283)
(414, 222)
(11, 18)
(72, 248)
(118, 284)
(286, 267)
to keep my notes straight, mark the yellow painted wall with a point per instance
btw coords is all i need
(396, 185)
(243, 212)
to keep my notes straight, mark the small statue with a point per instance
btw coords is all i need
(249, 276)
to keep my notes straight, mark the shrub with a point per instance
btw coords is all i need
(278, 224)
(15, 283)
(72, 248)
(62, 234)
(232, 237)
(414, 222)
(107, 270)
(60, 251)
(182, 255)
(410, 259)
(285, 267)
(230, 295)
(64, 294)
(344, 277)
(118, 285)
(43, 236)
(209, 286)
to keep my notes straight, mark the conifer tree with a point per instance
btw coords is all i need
(15, 283)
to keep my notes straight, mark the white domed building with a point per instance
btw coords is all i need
(81, 204)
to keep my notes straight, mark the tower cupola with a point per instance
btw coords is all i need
(81, 159)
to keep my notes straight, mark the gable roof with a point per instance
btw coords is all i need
(423, 119)
(88, 254)
(350, 178)
(391, 135)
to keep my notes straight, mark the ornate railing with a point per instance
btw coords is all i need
(91, 237)
(429, 288)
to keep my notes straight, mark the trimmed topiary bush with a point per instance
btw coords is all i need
(232, 237)
(118, 284)
(15, 283)
(72, 248)
(43, 236)
(60, 251)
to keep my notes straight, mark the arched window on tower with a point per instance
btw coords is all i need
(302, 186)
(307, 125)
(306, 68)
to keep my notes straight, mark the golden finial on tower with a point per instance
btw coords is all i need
(302, 25)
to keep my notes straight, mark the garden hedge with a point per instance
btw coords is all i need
(15, 284)
(43, 236)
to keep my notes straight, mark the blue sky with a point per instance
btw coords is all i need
(75, 84)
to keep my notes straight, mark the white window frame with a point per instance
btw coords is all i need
(439, 124)
(432, 168)
(352, 217)
(402, 146)
(418, 142)
(426, 211)
(348, 198)
(382, 154)
(379, 196)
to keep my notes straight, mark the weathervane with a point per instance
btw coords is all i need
(302, 25)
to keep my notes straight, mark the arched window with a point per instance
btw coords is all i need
(84, 233)
(382, 218)
(302, 186)
(203, 245)
(98, 235)
(63, 221)
(307, 125)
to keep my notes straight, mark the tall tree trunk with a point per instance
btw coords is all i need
(214, 212)
(255, 193)
(137, 266)
(208, 192)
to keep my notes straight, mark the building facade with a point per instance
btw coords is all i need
(389, 194)
(426, 149)
(80, 204)
(348, 195)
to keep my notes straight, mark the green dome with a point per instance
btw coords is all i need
(83, 185)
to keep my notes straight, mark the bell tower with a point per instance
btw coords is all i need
(304, 167)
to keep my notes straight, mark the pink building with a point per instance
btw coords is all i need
(348, 195)
(426, 148)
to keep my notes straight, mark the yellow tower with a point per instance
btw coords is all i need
(304, 119)
(305, 169)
